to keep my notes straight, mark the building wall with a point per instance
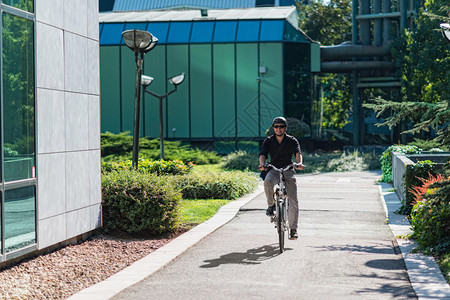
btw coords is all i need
(220, 98)
(67, 119)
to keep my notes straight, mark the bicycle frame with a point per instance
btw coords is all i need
(281, 204)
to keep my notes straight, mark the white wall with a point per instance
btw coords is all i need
(67, 119)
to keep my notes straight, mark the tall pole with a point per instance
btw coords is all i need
(137, 110)
(161, 128)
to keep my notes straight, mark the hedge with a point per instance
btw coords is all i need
(136, 202)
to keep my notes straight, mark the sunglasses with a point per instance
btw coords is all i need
(279, 126)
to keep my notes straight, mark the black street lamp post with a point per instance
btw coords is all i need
(140, 42)
(176, 80)
(446, 29)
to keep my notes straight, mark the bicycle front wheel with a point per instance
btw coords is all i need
(280, 225)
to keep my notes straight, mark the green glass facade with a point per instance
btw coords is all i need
(238, 78)
(18, 176)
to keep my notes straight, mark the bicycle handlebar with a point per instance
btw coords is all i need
(288, 167)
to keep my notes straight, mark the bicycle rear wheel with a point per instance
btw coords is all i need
(280, 226)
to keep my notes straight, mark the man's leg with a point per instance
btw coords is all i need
(291, 186)
(271, 180)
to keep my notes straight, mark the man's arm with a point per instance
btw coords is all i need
(262, 161)
(299, 159)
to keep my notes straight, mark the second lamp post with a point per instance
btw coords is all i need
(146, 81)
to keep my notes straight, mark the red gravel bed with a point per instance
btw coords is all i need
(64, 272)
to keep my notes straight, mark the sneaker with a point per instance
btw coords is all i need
(293, 235)
(270, 210)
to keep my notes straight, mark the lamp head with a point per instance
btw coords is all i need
(146, 80)
(137, 40)
(152, 44)
(176, 80)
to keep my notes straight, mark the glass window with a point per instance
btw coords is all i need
(18, 98)
(291, 34)
(248, 31)
(297, 87)
(202, 32)
(225, 31)
(159, 30)
(140, 26)
(297, 57)
(20, 224)
(271, 30)
(112, 34)
(179, 32)
(26, 5)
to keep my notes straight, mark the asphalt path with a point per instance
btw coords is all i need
(345, 250)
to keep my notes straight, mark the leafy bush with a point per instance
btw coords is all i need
(215, 185)
(355, 161)
(430, 216)
(414, 175)
(429, 145)
(241, 160)
(136, 202)
(296, 128)
(160, 167)
(118, 147)
(386, 159)
(339, 162)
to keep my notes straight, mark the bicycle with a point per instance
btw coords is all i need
(281, 204)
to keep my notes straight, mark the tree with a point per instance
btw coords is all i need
(423, 58)
(330, 24)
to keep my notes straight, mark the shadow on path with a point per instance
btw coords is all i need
(252, 256)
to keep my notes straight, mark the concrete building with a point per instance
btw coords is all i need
(50, 111)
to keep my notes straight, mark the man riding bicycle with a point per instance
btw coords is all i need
(281, 147)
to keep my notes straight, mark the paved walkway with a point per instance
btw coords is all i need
(345, 251)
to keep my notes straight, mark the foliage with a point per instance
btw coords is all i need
(337, 100)
(160, 167)
(136, 202)
(8, 152)
(430, 216)
(295, 127)
(423, 58)
(18, 86)
(386, 159)
(429, 145)
(241, 160)
(330, 23)
(413, 177)
(195, 211)
(118, 147)
(215, 185)
(355, 161)
(419, 191)
(315, 162)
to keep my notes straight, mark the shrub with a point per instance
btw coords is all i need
(160, 167)
(430, 216)
(386, 159)
(429, 145)
(355, 161)
(215, 185)
(241, 160)
(118, 147)
(413, 177)
(136, 202)
(296, 128)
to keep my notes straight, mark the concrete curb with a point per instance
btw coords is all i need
(156, 260)
(423, 271)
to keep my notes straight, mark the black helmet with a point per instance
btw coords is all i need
(279, 120)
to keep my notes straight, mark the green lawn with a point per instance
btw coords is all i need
(197, 211)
